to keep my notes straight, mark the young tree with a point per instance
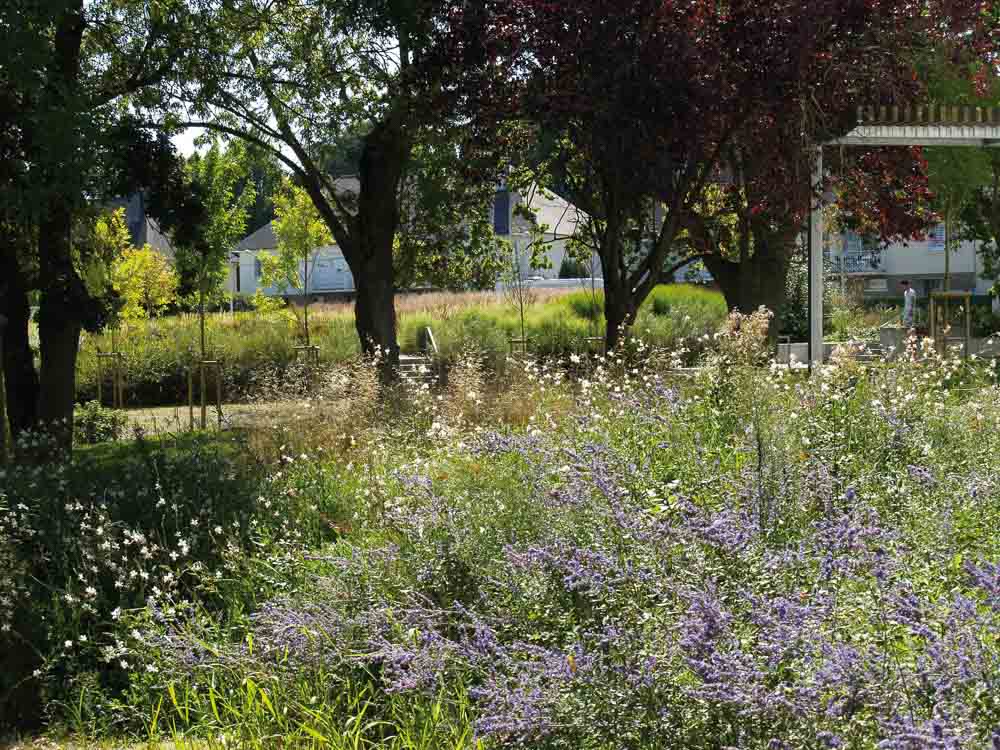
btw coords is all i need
(300, 232)
(445, 237)
(203, 254)
(956, 175)
(145, 280)
(964, 180)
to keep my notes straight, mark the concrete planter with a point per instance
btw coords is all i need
(800, 352)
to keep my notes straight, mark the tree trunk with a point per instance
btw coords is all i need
(375, 313)
(64, 297)
(20, 378)
(386, 152)
(59, 325)
(619, 304)
(619, 313)
(761, 280)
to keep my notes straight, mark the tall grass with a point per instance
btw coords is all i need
(159, 353)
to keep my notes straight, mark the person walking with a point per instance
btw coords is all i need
(909, 303)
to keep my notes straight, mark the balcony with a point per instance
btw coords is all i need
(858, 262)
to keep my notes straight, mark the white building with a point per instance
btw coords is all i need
(556, 222)
(330, 275)
(328, 271)
(921, 262)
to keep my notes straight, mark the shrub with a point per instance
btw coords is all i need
(790, 564)
(159, 353)
(586, 304)
(571, 268)
(93, 423)
(121, 527)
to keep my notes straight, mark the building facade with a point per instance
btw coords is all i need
(877, 271)
(557, 222)
(328, 273)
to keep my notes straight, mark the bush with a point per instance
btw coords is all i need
(570, 268)
(743, 559)
(646, 564)
(793, 317)
(93, 423)
(588, 305)
(121, 527)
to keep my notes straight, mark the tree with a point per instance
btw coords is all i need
(145, 280)
(956, 175)
(328, 73)
(445, 237)
(300, 232)
(67, 68)
(203, 255)
(747, 230)
(266, 177)
(652, 101)
(964, 180)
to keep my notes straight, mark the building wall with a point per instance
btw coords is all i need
(920, 261)
(555, 252)
(328, 273)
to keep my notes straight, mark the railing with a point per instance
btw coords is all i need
(863, 262)
(432, 346)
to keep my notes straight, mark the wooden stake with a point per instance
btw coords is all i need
(204, 410)
(3, 402)
(218, 392)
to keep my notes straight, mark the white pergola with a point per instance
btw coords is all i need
(890, 126)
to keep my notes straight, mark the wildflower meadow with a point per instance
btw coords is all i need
(596, 552)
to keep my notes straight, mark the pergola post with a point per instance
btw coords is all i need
(816, 266)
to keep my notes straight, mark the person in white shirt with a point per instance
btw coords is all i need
(909, 303)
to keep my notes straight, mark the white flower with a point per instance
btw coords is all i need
(116, 613)
(82, 639)
(68, 644)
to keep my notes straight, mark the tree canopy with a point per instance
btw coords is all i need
(652, 102)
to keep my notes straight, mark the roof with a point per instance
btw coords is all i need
(560, 216)
(347, 189)
(932, 125)
(262, 239)
(142, 228)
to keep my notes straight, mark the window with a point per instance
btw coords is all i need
(501, 212)
(876, 285)
(258, 269)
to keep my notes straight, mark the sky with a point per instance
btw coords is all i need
(185, 141)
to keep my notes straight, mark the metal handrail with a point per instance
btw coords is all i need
(432, 342)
